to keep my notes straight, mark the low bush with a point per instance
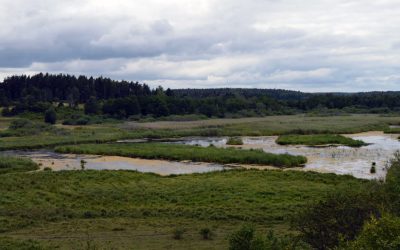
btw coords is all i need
(247, 239)
(206, 233)
(234, 141)
(177, 234)
(340, 216)
(382, 233)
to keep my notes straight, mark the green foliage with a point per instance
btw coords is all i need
(206, 233)
(80, 119)
(340, 216)
(316, 140)
(50, 116)
(178, 233)
(185, 152)
(234, 141)
(392, 185)
(92, 107)
(263, 197)
(10, 164)
(378, 234)
(245, 239)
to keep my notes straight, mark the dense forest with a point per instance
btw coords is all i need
(122, 99)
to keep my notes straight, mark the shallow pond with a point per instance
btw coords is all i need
(59, 162)
(339, 160)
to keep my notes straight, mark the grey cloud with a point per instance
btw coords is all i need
(278, 43)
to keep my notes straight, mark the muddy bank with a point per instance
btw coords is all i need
(58, 162)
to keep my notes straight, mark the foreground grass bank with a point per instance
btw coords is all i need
(13, 164)
(130, 210)
(178, 152)
(319, 140)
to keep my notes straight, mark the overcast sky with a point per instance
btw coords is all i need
(308, 45)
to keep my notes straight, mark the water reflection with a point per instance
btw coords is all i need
(339, 160)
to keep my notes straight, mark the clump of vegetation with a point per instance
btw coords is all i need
(340, 216)
(177, 234)
(373, 168)
(10, 164)
(206, 233)
(246, 238)
(50, 116)
(378, 233)
(318, 140)
(234, 141)
(25, 127)
(83, 163)
(177, 152)
(81, 119)
(392, 185)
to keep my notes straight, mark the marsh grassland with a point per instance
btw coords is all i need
(88, 209)
(130, 210)
(317, 140)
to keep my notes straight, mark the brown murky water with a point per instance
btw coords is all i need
(58, 162)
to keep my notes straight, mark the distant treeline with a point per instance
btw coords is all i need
(123, 99)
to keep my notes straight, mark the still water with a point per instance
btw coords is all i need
(339, 159)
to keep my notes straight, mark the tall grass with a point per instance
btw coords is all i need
(186, 152)
(10, 164)
(229, 196)
(315, 140)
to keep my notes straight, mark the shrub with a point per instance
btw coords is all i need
(178, 233)
(341, 215)
(372, 170)
(234, 141)
(92, 106)
(206, 233)
(383, 233)
(245, 239)
(50, 116)
(392, 185)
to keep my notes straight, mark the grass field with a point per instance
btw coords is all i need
(177, 152)
(273, 125)
(130, 210)
(318, 140)
(277, 125)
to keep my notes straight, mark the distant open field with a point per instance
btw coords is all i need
(273, 125)
(129, 210)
